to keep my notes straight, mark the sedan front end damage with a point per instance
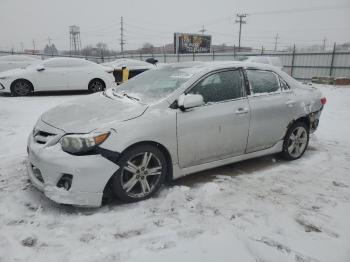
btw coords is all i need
(65, 178)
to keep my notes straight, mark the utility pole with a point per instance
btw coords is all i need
(203, 30)
(49, 39)
(324, 43)
(240, 21)
(276, 39)
(33, 46)
(122, 41)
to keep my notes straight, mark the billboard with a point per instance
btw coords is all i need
(191, 43)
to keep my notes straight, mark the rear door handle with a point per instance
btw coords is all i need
(242, 111)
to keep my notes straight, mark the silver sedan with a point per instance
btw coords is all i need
(167, 123)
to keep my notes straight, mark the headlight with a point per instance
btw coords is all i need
(82, 143)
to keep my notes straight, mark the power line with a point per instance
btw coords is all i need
(240, 21)
(301, 10)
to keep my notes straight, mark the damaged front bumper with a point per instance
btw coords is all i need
(48, 168)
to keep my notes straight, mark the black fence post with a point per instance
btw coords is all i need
(193, 56)
(262, 50)
(234, 52)
(332, 61)
(213, 54)
(140, 56)
(178, 57)
(293, 58)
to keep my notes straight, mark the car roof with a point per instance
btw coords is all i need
(131, 64)
(65, 59)
(26, 57)
(207, 66)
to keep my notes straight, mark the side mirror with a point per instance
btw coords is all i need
(40, 68)
(189, 101)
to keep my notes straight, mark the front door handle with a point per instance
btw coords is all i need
(242, 111)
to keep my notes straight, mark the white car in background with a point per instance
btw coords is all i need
(57, 74)
(269, 60)
(9, 62)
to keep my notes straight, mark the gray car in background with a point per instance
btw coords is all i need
(167, 123)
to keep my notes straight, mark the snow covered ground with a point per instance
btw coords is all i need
(264, 209)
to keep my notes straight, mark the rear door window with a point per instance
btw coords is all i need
(263, 82)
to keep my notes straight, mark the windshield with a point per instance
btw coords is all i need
(154, 85)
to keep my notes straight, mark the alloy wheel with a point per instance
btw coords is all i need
(141, 174)
(297, 141)
(96, 86)
(21, 88)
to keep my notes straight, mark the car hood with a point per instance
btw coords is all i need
(91, 112)
(12, 72)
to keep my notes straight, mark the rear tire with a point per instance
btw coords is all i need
(21, 88)
(296, 141)
(96, 85)
(142, 172)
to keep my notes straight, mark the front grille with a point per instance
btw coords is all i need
(42, 137)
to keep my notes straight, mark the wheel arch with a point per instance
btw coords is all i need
(22, 79)
(304, 119)
(163, 149)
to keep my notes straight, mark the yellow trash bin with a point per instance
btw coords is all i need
(125, 73)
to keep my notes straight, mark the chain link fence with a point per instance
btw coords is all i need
(300, 65)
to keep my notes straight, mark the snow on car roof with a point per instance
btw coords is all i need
(221, 64)
(18, 58)
(132, 64)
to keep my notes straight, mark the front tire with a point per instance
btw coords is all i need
(296, 141)
(142, 172)
(96, 85)
(21, 88)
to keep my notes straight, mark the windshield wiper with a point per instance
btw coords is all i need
(131, 97)
(124, 94)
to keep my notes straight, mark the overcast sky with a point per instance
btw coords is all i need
(155, 21)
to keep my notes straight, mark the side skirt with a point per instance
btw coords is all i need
(180, 172)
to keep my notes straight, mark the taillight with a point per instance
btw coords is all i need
(323, 100)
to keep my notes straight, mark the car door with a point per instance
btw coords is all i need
(79, 73)
(218, 129)
(52, 77)
(271, 109)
